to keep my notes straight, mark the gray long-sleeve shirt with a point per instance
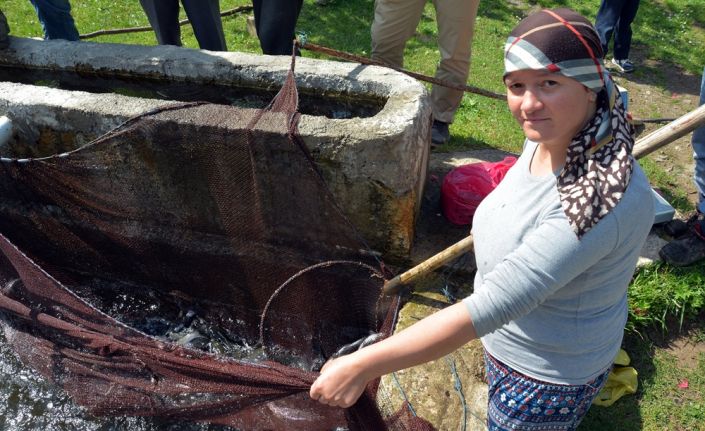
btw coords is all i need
(545, 303)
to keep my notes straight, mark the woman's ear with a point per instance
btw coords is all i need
(592, 96)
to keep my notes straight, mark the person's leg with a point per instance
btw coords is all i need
(623, 29)
(55, 17)
(606, 20)
(698, 142)
(207, 25)
(535, 403)
(275, 21)
(4, 31)
(691, 248)
(163, 16)
(456, 23)
(394, 23)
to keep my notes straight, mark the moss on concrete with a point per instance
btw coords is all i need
(430, 388)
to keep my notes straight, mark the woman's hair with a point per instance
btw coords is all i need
(598, 164)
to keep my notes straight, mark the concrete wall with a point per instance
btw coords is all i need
(375, 165)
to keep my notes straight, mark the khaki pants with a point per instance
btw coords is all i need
(395, 22)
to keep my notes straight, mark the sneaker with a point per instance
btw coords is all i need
(4, 31)
(439, 133)
(624, 66)
(687, 250)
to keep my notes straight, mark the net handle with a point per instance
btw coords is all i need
(391, 287)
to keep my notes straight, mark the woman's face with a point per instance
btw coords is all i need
(550, 107)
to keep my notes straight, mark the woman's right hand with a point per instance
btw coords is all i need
(341, 382)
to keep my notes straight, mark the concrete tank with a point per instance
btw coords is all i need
(367, 127)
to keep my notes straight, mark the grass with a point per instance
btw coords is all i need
(664, 181)
(664, 302)
(664, 297)
(660, 403)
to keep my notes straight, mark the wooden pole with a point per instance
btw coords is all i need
(670, 132)
(392, 286)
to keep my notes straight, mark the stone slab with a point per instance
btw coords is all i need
(375, 165)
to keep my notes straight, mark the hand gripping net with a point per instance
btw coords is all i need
(182, 206)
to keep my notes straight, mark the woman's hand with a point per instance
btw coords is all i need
(341, 382)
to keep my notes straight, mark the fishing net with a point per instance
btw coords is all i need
(167, 269)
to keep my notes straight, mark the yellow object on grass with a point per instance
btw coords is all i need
(621, 381)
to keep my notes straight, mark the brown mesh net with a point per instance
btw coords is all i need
(166, 269)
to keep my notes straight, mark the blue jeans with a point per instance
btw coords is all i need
(615, 17)
(55, 17)
(698, 143)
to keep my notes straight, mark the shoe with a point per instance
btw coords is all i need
(687, 250)
(624, 66)
(675, 228)
(439, 133)
(4, 31)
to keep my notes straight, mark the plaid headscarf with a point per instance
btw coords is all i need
(599, 164)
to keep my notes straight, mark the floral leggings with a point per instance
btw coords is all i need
(518, 402)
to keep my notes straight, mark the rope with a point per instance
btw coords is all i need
(403, 394)
(182, 22)
(304, 44)
(458, 386)
(450, 297)
(640, 121)
(459, 389)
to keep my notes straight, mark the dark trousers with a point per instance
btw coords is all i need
(55, 17)
(205, 19)
(615, 17)
(275, 21)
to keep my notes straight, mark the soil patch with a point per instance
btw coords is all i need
(687, 351)
(686, 344)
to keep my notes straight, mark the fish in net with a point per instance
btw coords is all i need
(167, 270)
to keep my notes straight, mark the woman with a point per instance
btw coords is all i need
(556, 244)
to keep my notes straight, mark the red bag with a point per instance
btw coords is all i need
(466, 186)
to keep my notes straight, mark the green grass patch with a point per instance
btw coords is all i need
(664, 181)
(663, 297)
(662, 401)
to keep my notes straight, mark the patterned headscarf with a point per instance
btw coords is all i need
(598, 165)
